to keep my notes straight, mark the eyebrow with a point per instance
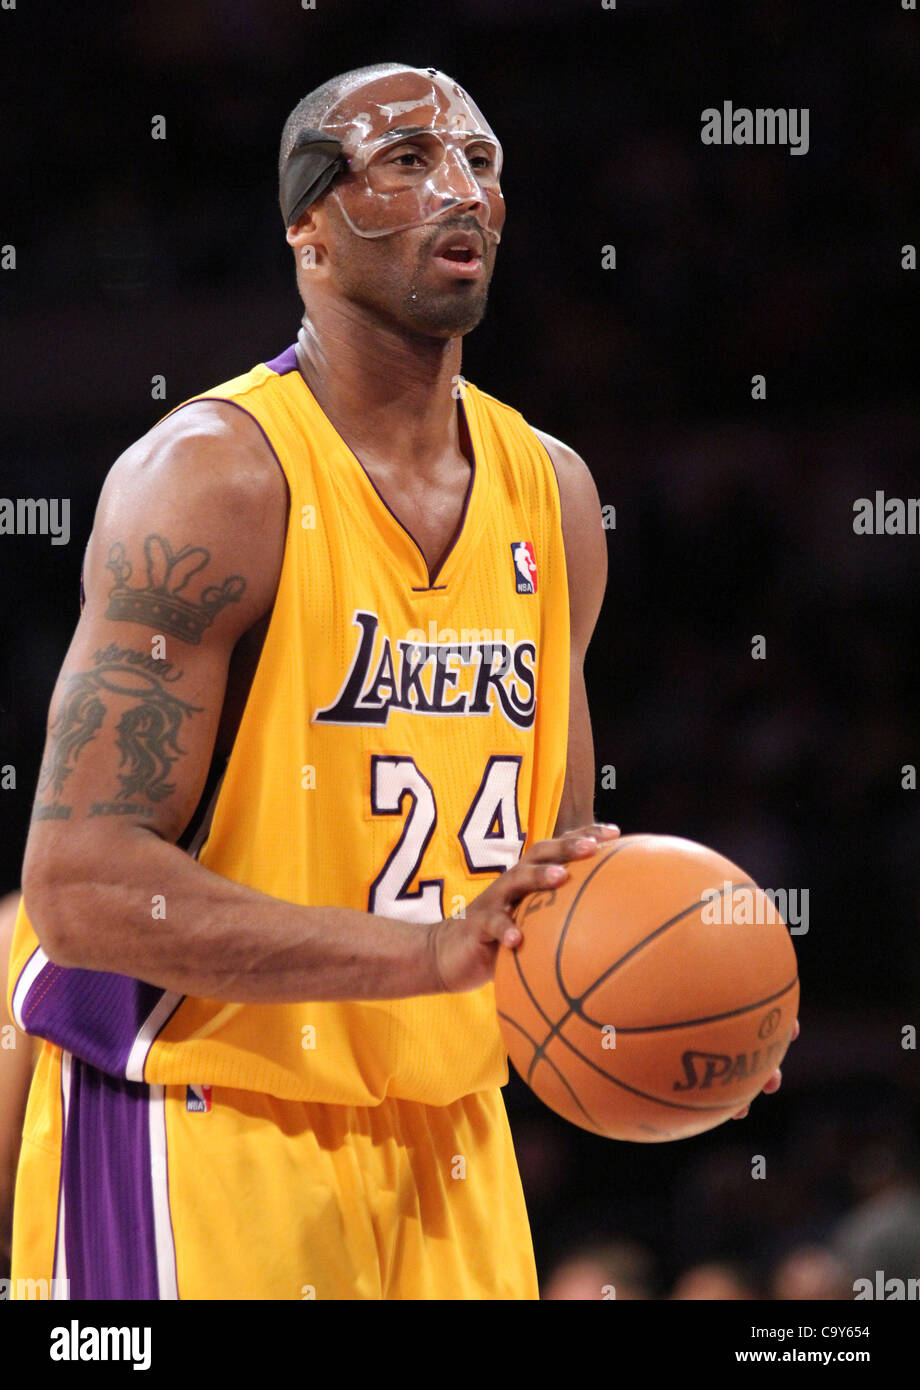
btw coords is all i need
(403, 130)
(409, 130)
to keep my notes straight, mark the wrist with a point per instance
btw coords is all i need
(433, 935)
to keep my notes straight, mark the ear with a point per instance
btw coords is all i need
(299, 233)
(308, 236)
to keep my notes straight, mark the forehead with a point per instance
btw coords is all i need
(413, 97)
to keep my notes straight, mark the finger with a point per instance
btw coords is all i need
(517, 882)
(604, 830)
(774, 1083)
(575, 844)
(741, 1113)
(498, 926)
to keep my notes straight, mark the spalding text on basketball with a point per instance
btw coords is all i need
(702, 1069)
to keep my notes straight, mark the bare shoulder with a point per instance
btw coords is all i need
(204, 477)
(563, 456)
(207, 446)
(577, 487)
(583, 536)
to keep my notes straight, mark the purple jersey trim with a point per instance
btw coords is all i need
(109, 1231)
(286, 362)
(91, 1013)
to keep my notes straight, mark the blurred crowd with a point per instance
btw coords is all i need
(846, 1229)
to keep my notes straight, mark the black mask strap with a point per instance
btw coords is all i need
(311, 166)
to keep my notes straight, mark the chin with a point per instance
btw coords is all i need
(446, 315)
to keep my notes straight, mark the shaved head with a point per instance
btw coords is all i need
(310, 110)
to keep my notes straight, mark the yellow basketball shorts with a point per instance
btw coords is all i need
(130, 1191)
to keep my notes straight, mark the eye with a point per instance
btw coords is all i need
(409, 159)
(482, 159)
(407, 154)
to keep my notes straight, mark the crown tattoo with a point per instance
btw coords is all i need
(160, 602)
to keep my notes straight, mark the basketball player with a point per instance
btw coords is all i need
(317, 733)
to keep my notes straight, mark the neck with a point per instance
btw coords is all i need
(388, 392)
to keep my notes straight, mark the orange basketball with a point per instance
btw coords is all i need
(653, 993)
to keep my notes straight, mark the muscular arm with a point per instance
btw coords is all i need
(586, 563)
(184, 559)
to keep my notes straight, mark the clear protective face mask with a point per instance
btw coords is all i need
(416, 146)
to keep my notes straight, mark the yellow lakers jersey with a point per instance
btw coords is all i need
(404, 738)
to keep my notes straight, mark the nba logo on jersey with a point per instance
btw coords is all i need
(525, 567)
(198, 1098)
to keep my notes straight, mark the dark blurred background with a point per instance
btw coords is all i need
(734, 517)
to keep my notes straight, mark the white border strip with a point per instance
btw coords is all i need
(137, 1057)
(59, 1285)
(30, 973)
(167, 1278)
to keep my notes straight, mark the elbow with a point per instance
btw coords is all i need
(55, 902)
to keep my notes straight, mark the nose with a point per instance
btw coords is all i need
(459, 188)
(457, 180)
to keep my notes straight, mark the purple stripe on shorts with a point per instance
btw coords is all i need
(91, 1013)
(287, 362)
(109, 1234)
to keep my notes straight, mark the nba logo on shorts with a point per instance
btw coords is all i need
(198, 1098)
(525, 567)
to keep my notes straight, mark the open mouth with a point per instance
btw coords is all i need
(460, 257)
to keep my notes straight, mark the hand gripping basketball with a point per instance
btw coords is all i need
(773, 1083)
(464, 949)
(653, 992)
